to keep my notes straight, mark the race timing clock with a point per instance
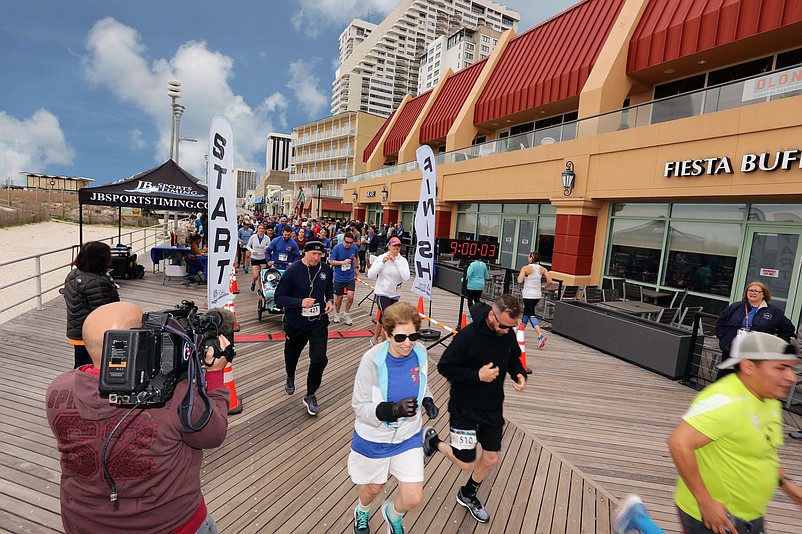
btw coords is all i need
(468, 249)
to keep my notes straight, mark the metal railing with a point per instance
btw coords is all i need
(60, 261)
(702, 101)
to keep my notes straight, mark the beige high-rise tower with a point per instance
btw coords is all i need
(379, 64)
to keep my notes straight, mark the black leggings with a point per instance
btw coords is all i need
(473, 296)
(295, 342)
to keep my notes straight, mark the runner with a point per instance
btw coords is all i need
(345, 262)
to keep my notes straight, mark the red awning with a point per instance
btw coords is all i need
(548, 63)
(336, 205)
(408, 115)
(671, 29)
(449, 101)
(373, 142)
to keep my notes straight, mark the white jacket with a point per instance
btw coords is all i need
(389, 275)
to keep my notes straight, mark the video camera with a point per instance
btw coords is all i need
(143, 365)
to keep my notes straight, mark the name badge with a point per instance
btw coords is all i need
(282, 256)
(464, 440)
(313, 311)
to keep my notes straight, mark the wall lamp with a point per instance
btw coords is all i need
(385, 192)
(355, 196)
(568, 178)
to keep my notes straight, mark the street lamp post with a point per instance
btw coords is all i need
(319, 202)
(174, 92)
(178, 145)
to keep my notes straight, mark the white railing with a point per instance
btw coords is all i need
(320, 175)
(324, 155)
(322, 136)
(43, 274)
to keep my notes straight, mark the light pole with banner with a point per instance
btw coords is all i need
(319, 202)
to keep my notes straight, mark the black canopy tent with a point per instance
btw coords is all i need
(166, 187)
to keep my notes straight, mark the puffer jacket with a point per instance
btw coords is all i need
(85, 291)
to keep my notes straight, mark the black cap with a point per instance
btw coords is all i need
(314, 245)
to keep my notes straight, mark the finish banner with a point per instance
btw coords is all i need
(424, 224)
(222, 231)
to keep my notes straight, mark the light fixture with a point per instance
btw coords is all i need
(355, 196)
(670, 71)
(702, 61)
(384, 193)
(568, 178)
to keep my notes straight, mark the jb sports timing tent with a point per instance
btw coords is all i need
(166, 187)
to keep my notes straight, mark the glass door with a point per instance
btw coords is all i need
(507, 242)
(526, 244)
(774, 259)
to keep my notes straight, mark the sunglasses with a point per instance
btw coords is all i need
(400, 338)
(502, 325)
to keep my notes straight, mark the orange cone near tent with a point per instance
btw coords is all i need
(232, 281)
(230, 307)
(235, 406)
(522, 343)
(421, 309)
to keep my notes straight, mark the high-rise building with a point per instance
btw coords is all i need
(379, 64)
(278, 152)
(246, 180)
(455, 51)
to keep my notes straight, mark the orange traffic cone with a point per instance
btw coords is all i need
(230, 307)
(232, 281)
(421, 310)
(522, 344)
(228, 381)
(463, 322)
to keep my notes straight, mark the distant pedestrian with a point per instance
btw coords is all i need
(390, 270)
(345, 262)
(476, 278)
(531, 276)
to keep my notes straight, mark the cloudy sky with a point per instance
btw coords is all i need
(84, 90)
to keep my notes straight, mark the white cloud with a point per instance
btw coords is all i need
(137, 142)
(304, 84)
(32, 144)
(313, 15)
(117, 61)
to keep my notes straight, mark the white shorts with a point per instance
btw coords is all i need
(405, 467)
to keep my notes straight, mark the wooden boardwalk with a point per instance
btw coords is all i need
(588, 430)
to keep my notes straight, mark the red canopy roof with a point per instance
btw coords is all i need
(671, 29)
(548, 63)
(449, 101)
(409, 114)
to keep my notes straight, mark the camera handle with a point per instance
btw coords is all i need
(196, 376)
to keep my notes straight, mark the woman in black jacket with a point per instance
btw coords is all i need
(752, 313)
(87, 287)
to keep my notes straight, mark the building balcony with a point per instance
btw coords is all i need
(320, 175)
(323, 155)
(326, 135)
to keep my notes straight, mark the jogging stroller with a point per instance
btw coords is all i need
(270, 278)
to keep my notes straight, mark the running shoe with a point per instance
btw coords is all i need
(253, 286)
(542, 340)
(474, 506)
(627, 516)
(428, 450)
(347, 319)
(310, 401)
(393, 527)
(361, 522)
(289, 388)
(335, 317)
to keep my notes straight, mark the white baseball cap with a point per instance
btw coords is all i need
(758, 346)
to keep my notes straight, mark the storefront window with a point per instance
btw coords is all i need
(635, 249)
(718, 212)
(489, 227)
(514, 208)
(776, 212)
(623, 209)
(701, 256)
(466, 225)
(546, 227)
(468, 207)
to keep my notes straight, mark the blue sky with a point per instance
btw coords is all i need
(85, 82)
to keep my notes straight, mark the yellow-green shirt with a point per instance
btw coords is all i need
(740, 466)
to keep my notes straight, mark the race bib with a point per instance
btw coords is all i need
(345, 267)
(463, 440)
(282, 256)
(313, 311)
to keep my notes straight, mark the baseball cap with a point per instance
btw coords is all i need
(758, 346)
(395, 241)
(304, 223)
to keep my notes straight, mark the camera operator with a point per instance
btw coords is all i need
(155, 464)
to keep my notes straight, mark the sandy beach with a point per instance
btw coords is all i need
(21, 241)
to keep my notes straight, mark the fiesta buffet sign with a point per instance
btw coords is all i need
(766, 161)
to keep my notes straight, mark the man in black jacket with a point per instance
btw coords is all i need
(475, 363)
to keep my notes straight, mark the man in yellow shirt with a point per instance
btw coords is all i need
(725, 447)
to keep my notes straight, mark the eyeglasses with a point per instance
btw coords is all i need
(400, 338)
(502, 325)
(754, 291)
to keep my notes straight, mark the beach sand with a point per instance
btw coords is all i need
(29, 239)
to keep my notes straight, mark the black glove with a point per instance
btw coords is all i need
(393, 411)
(431, 409)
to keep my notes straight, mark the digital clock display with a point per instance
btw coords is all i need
(466, 249)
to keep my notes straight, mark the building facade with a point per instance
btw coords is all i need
(327, 152)
(379, 64)
(278, 152)
(660, 144)
(455, 51)
(246, 181)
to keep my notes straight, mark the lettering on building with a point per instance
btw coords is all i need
(765, 161)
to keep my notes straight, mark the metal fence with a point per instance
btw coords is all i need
(42, 274)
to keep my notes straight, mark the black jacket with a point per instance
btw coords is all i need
(294, 287)
(475, 346)
(769, 319)
(85, 291)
